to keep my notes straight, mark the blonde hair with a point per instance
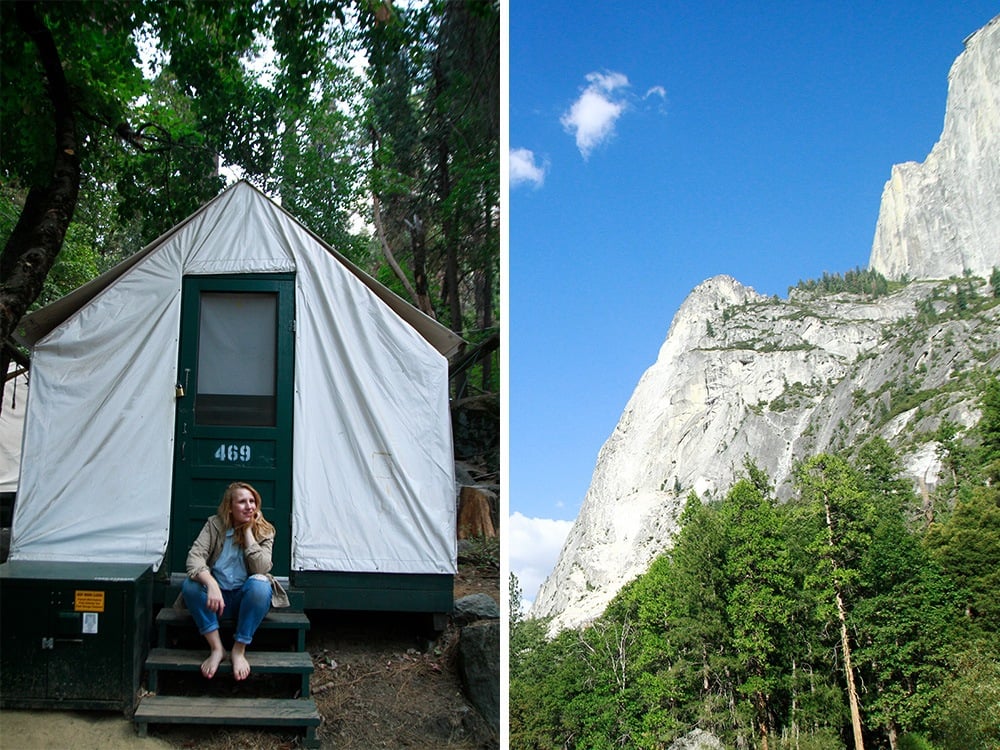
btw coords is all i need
(260, 526)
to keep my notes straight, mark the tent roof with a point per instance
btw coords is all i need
(41, 322)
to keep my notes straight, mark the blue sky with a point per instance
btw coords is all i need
(654, 145)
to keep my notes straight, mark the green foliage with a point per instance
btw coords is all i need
(961, 298)
(905, 397)
(482, 552)
(969, 713)
(989, 431)
(926, 312)
(913, 741)
(735, 629)
(793, 396)
(856, 281)
(823, 738)
(904, 616)
(967, 545)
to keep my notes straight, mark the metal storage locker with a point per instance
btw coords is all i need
(73, 634)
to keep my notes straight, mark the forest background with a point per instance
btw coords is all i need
(374, 125)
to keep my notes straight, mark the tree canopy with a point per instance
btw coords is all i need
(121, 117)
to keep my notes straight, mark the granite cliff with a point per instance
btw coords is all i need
(741, 374)
(942, 217)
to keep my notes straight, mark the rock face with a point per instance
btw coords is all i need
(941, 217)
(777, 380)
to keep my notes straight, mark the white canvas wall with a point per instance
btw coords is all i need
(15, 396)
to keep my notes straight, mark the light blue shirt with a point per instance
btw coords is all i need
(230, 570)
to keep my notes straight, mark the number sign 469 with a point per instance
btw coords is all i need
(233, 453)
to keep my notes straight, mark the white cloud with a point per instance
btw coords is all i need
(607, 81)
(656, 91)
(592, 117)
(524, 169)
(534, 545)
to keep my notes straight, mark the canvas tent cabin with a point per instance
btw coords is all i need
(240, 346)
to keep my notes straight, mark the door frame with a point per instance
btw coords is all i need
(187, 433)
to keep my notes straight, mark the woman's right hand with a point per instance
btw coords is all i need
(215, 602)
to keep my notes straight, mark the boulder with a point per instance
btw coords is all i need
(479, 668)
(475, 607)
(697, 739)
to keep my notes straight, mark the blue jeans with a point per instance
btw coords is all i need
(246, 605)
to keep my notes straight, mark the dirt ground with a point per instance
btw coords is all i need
(378, 683)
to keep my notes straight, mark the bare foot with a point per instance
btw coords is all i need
(211, 664)
(241, 667)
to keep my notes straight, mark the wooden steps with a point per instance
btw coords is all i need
(276, 619)
(299, 711)
(261, 662)
(263, 712)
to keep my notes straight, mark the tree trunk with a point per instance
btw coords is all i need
(761, 701)
(852, 691)
(795, 705)
(484, 305)
(37, 238)
(928, 504)
(451, 242)
(387, 250)
(475, 518)
(4, 367)
(418, 247)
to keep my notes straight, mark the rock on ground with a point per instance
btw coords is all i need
(479, 668)
(697, 739)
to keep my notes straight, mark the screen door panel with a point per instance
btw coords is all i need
(237, 349)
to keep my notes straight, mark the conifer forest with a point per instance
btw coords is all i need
(858, 614)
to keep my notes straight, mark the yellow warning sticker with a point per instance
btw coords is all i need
(88, 601)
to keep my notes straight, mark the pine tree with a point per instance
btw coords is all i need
(828, 484)
(758, 587)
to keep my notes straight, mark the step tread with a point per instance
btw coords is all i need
(181, 709)
(275, 619)
(271, 662)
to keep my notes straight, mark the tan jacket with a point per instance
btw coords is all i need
(208, 546)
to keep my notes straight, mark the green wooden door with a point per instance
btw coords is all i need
(234, 405)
